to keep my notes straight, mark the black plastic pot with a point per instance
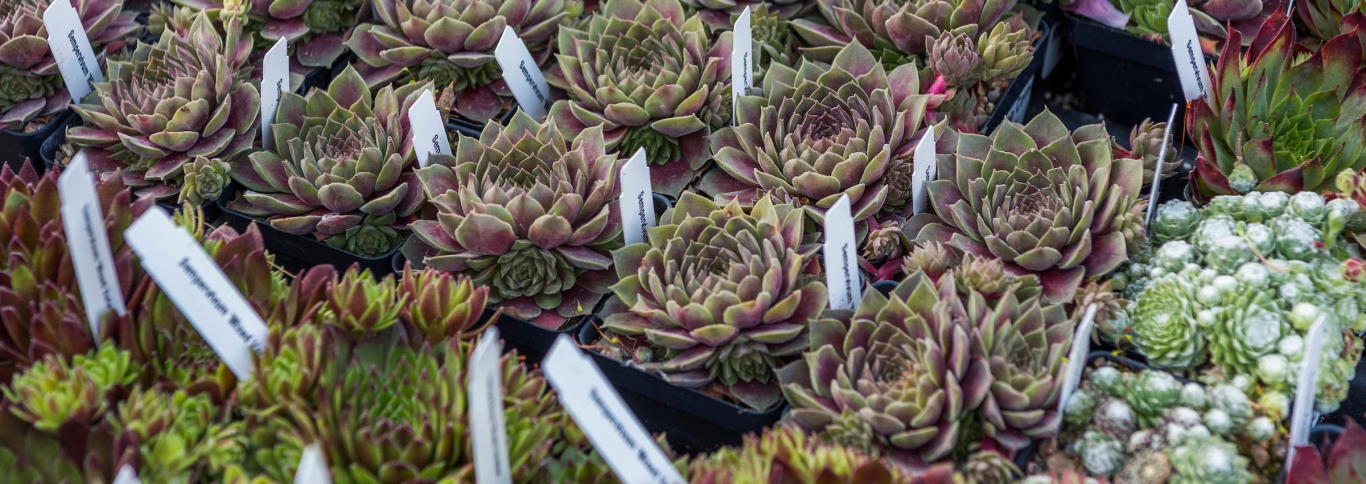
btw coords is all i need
(472, 129)
(47, 149)
(1014, 101)
(15, 147)
(1125, 76)
(295, 253)
(692, 421)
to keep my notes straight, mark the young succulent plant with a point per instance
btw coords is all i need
(818, 133)
(1270, 136)
(314, 29)
(934, 366)
(33, 88)
(718, 297)
(451, 43)
(789, 454)
(176, 436)
(650, 76)
(341, 169)
(529, 212)
(188, 96)
(1339, 461)
(1045, 200)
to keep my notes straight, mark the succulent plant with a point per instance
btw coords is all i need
(1145, 143)
(788, 454)
(1005, 51)
(1209, 460)
(1044, 200)
(718, 297)
(774, 42)
(652, 79)
(52, 391)
(189, 95)
(821, 133)
(954, 56)
(451, 43)
(175, 436)
(440, 306)
(1335, 462)
(880, 258)
(342, 161)
(1165, 327)
(314, 29)
(894, 31)
(31, 455)
(361, 305)
(1325, 19)
(33, 87)
(1147, 17)
(528, 212)
(204, 180)
(1273, 137)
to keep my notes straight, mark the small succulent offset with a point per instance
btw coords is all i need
(451, 43)
(650, 76)
(819, 133)
(33, 87)
(190, 95)
(54, 391)
(1145, 143)
(1272, 136)
(718, 297)
(529, 213)
(789, 454)
(341, 167)
(314, 29)
(1044, 200)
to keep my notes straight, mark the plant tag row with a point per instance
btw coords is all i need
(1076, 359)
(71, 49)
(925, 170)
(312, 469)
(522, 74)
(741, 62)
(637, 203)
(842, 277)
(1157, 170)
(274, 82)
(1302, 410)
(91, 257)
(429, 132)
(487, 429)
(606, 421)
(1186, 52)
(201, 291)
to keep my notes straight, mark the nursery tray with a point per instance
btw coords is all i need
(1125, 76)
(1014, 101)
(15, 147)
(472, 129)
(47, 149)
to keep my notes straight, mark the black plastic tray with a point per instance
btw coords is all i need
(1014, 101)
(1124, 76)
(464, 126)
(15, 147)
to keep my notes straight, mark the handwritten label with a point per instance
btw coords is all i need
(841, 257)
(71, 49)
(1302, 410)
(1157, 169)
(522, 74)
(91, 256)
(274, 82)
(312, 469)
(1190, 60)
(741, 62)
(127, 476)
(1076, 360)
(637, 205)
(429, 133)
(925, 171)
(201, 291)
(614, 431)
(487, 429)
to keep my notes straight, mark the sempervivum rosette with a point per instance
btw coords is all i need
(1044, 200)
(313, 28)
(189, 95)
(529, 213)
(340, 169)
(32, 85)
(652, 79)
(719, 297)
(820, 133)
(450, 42)
(1287, 122)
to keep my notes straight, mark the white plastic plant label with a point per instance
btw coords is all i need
(274, 82)
(1157, 170)
(91, 257)
(840, 251)
(1190, 60)
(614, 431)
(312, 469)
(71, 49)
(1302, 410)
(127, 475)
(741, 61)
(1053, 54)
(488, 432)
(429, 133)
(1076, 359)
(522, 74)
(1016, 113)
(925, 171)
(201, 291)
(637, 204)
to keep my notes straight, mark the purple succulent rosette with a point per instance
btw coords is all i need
(896, 31)
(719, 297)
(314, 28)
(450, 43)
(530, 213)
(819, 133)
(189, 95)
(1045, 200)
(720, 14)
(341, 169)
(650, 76)
(32, 85)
